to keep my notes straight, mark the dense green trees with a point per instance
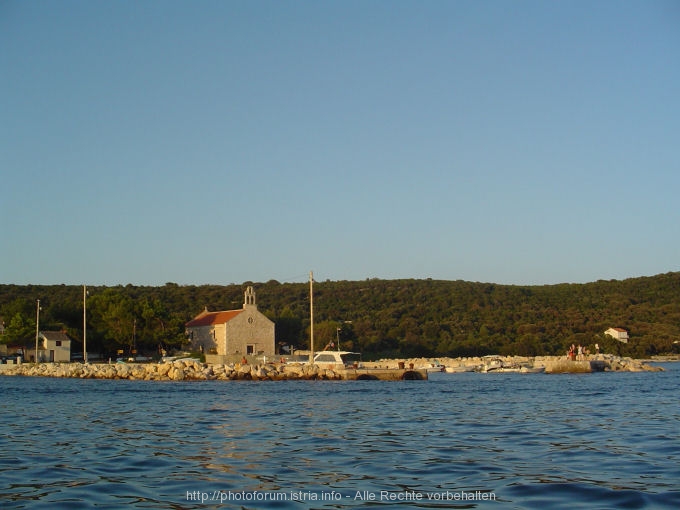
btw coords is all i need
(377, 317)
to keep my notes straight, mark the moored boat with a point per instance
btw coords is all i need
(532, 370)
(459, 369)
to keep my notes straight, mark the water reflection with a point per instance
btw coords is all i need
(109, 443)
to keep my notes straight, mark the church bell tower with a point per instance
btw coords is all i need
(249, 301)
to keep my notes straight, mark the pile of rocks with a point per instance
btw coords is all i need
(178, 370)
(594, 363)
(618, 364)
(552, 364)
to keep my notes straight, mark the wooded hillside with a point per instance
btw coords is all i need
(395, 318)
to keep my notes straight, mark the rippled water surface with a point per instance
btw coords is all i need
(606, 440)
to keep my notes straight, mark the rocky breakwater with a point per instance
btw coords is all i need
(593, 363)
(551, 364)
(178, 370)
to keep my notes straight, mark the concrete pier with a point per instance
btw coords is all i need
(560, 366)
(382, 374)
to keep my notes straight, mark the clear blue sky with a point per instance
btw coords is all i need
(521, 142)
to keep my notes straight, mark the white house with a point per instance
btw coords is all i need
(55, 346)
(229, 333)
(619, 334)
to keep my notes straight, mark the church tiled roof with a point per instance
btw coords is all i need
(206, 318)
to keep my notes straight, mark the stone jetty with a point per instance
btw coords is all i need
(178, 370)
(551, 364)
(193, 370)
(598, 363)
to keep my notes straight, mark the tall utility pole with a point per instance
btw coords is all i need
(311, 317)
(37, 328)
(84, 323)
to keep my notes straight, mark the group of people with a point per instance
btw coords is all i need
(579, 353)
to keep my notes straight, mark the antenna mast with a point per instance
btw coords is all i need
(311, 317)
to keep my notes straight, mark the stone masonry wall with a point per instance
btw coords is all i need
(250, 328)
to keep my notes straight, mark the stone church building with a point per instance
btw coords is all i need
(231, 334)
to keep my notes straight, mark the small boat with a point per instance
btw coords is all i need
(433, 366)
(494, 364)
(459, 369)
(338, 359)
(490, 365)
(532, 370)
(501, 369)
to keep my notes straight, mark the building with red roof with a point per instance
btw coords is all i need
(619, 334)
(233, 333)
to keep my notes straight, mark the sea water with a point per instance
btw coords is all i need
(603, 440)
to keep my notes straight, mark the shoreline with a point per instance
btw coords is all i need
(194, 370)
